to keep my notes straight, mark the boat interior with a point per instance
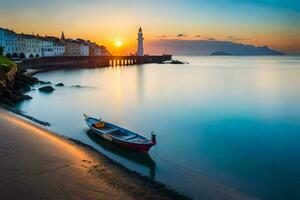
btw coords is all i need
(119, 133)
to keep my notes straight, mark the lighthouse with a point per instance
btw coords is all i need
(140, 49)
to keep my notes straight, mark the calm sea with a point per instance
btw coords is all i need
(227, 127)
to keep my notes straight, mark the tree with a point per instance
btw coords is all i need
(1, 51)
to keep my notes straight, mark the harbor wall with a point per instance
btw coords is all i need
(90, 61)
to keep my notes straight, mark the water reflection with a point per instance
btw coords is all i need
(140, 83)
(137, 157)
(233, 119)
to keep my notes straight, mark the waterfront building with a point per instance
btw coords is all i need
(78, 47)
(29, 46)
(26, 46)
(140, 48)
(84, 49)
(21, 48)
(72, 47)
(8, 40)
(56, 46)
(32, 45)
(19, 45)
(46, 47)
(104, 51)
(95, 49)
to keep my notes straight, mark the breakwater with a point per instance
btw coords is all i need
(90, 61)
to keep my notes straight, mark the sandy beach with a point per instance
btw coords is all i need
(38, 164)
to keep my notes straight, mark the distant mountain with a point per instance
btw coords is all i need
(220, 53)
(207, 47)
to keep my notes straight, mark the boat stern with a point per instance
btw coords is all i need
(153, 138)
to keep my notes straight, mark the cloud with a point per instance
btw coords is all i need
(210, 38)
(205, 37)
(161, 36)
(181, 35)
(233, 38)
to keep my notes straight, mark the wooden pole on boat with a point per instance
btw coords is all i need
(153, 137)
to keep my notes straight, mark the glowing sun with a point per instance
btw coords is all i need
(118, 43)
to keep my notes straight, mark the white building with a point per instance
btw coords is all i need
(46, 47)
(27, 46)
(21, 46)
(59, 48)
(8, 40)
(84, 49)
(140, 48)
(32, 46)
(51, 46)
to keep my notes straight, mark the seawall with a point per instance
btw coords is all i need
(90, 61)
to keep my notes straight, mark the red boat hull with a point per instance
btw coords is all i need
(133, 146)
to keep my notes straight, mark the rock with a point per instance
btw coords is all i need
(26, 88)
(176, 62)
(26, 97)
(18, 98)
(6, 93)
(47, 89)
(13, 83)
(6, 101)
(26, 79)
(18, 85)
(60, 85)
(44, 82)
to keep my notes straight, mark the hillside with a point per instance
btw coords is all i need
(5, 64)
(220, 53)
(207, 47)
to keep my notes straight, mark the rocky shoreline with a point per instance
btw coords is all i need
(14, 84)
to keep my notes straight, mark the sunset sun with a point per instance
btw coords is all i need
(118, 43)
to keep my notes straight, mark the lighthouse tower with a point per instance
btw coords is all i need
(62, 37)
(140, 49)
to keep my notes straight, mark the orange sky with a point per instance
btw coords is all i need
(263, 23)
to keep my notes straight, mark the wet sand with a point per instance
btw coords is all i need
(37, 164)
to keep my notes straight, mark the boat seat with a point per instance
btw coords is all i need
(109, 130)
(128, 137)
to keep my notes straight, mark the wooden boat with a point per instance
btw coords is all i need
(120, 136)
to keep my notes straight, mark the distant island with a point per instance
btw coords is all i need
(208, 47)
(220, 53)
